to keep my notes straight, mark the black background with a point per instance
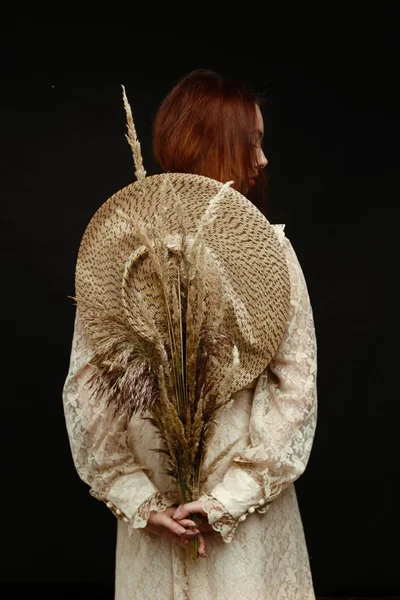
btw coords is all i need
(332, 141)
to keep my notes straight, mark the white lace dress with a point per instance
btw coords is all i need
(258, 549)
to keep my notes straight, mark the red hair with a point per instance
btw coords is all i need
(207, 125)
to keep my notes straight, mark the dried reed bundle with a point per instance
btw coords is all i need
(166, 374)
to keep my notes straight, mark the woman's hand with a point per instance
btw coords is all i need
(163, 525)
(184, 510)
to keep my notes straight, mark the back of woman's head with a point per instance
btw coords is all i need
(207, 125)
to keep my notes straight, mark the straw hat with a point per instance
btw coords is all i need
(246, 265)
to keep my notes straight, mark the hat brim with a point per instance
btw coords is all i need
(249, 255)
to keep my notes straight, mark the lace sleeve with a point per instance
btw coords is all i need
(99, 445)
(283, 417)
(219, 518)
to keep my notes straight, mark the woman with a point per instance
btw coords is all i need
(213, 127)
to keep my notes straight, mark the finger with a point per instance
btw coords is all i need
(190, 533)
(202, 546)
(165, 521)
(192, 530)
(187, 523)
(162, 532)
(184, 510)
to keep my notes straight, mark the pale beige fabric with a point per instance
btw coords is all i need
(263, 557)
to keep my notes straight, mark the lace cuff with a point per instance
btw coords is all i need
(157, 502)
(219, 518)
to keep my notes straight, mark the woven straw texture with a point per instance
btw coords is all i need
(241, 246)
